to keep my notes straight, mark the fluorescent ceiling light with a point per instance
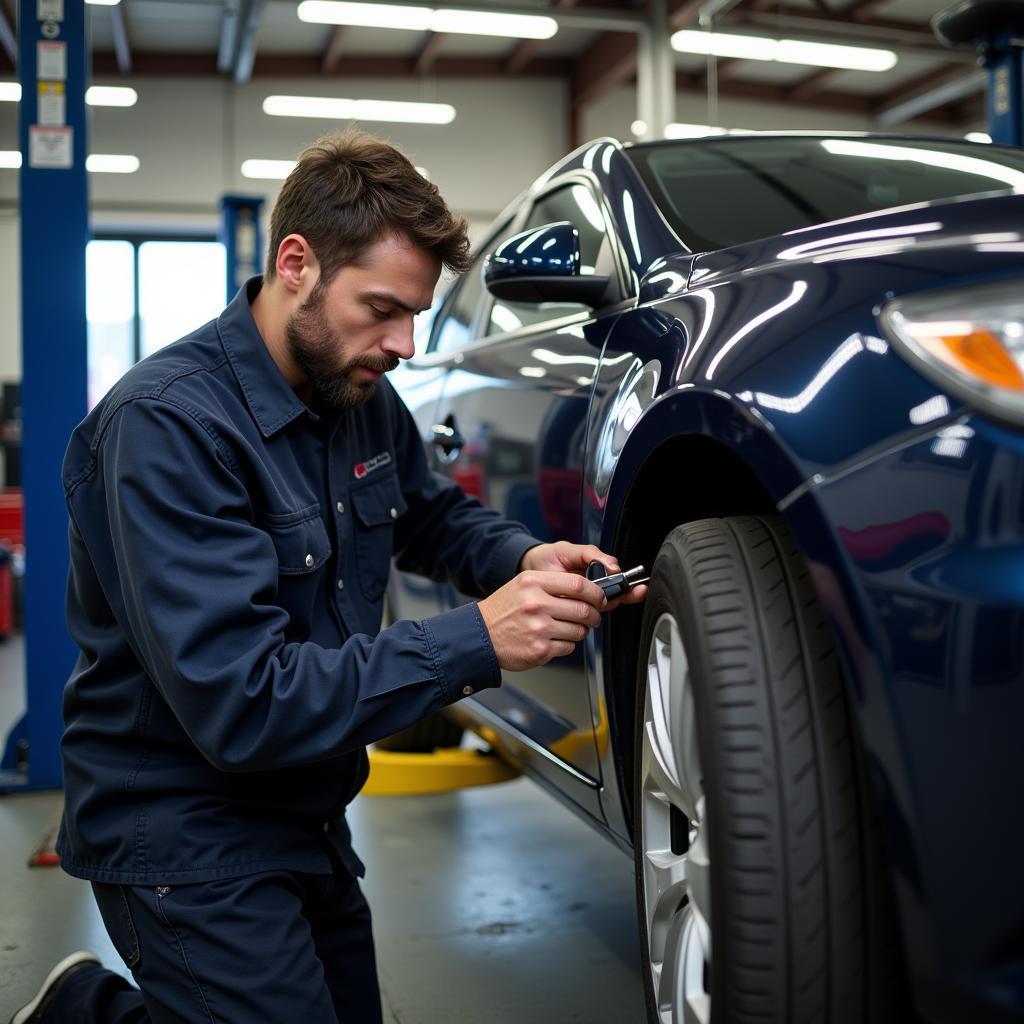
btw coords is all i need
(360, 110)
(978, 137)
(424, 19)
(95, 95)
(112, 163)
(111, 96)
(103, 3)
(486, 23)
(785, 51)
(271, 170)
(278, 170)
(325, 12)
(99, 163)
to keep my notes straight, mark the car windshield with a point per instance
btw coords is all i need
(721, 192)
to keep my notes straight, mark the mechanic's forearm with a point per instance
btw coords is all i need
(302, 702)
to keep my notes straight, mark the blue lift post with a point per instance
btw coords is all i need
(54, 210)
(241, 235)
(996, 29)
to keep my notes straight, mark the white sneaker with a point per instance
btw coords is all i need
(32, 1011)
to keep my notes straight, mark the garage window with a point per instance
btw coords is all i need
(143, 293)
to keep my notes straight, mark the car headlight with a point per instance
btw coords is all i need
(970, 341)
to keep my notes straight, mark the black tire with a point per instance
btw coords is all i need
(794, 915)
(435, 731)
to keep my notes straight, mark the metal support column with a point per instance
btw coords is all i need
(996, 29)
(54, 208)
(655, 73)
(1004, 61)
(241, 235)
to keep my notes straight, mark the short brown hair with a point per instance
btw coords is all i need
(348, 190)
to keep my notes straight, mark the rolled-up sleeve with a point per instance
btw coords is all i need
(195, 590)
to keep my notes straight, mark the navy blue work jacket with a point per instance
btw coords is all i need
(229, 554)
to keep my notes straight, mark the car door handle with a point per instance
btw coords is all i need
(448, 439)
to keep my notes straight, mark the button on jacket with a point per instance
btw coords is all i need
(229, 554)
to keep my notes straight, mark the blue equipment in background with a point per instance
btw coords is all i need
(995, 28)
(54, 208)
(241, 235)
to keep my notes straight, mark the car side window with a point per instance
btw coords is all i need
(455, 327)
(575, 203)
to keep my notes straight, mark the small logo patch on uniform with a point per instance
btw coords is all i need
(370, 465)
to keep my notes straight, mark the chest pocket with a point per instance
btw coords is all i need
(300, 540)
(377, 507)
(303, 548)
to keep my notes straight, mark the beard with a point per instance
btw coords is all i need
(320, 353)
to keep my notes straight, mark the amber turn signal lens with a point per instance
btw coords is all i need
(979, 354)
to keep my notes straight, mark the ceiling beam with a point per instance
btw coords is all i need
(889, 32)
(185, 65)
(842, 101)
(811, 85)
(429, 51)
(520, 56)
(227, 47)
(332, 52)
(122, 48)
(607, 63)
(287, 65)
(918, 84)
(860, 10)
(248, 31)
(611, 60)
(949, 92)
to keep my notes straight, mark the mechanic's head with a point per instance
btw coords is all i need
(358, 238)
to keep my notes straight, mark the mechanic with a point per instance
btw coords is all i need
(235, 501)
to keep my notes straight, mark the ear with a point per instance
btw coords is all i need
(297, 268)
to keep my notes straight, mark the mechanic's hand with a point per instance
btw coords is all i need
(565, 557)
(539, 616)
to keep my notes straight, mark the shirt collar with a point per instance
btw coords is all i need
(272, 401)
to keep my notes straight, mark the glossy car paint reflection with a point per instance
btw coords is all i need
(839, 405)
(906, 507)
(525, 437)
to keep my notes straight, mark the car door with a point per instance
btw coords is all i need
(516, 399)
(448, 328)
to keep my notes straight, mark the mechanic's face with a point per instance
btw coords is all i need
(345, 335)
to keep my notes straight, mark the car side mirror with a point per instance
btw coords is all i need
(543, 265)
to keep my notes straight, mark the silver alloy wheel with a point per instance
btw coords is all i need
(676, 876)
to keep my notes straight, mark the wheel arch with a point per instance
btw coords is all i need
(750, 473)
(648, 512)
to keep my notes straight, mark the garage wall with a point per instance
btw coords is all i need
(192, 136)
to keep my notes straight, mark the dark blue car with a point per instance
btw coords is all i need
(786, 374)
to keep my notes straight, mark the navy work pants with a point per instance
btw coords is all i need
(269, 948)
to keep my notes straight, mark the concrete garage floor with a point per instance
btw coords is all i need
(491, 903)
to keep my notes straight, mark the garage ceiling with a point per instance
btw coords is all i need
(259, 38)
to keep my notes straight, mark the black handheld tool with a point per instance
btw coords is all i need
(616, 584)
